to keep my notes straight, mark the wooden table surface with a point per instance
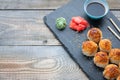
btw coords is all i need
(28, 50)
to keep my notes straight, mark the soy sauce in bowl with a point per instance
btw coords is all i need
(95, 9)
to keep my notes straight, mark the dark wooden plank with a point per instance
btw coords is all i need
(37, 63)
(15, 31)
(72, 40)
(43, 4)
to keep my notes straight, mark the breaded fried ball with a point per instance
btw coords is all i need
(114, 56)
(89, 48)
(94, 34)
(105, 45)
(111, 72)
(101, 59)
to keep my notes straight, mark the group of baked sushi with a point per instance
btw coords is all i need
(104, 56)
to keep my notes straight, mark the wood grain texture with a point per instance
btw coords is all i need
(37, 63)
(15, 31)
(25, 28)
(114, 4)
(44, 4)
(31, 4)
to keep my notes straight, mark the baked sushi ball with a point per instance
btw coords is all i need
(89, 48)
(105, 45)
(101, 59)
(94, 34)
(114, 56)
(111, 72)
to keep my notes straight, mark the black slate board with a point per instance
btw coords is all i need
(72, 40)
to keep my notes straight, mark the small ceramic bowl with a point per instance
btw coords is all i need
(103, 2)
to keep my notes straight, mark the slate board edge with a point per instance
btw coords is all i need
(65, 48)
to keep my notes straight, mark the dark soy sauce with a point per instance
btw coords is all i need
(95, 9)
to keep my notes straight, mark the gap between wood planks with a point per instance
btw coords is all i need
(15, 32)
